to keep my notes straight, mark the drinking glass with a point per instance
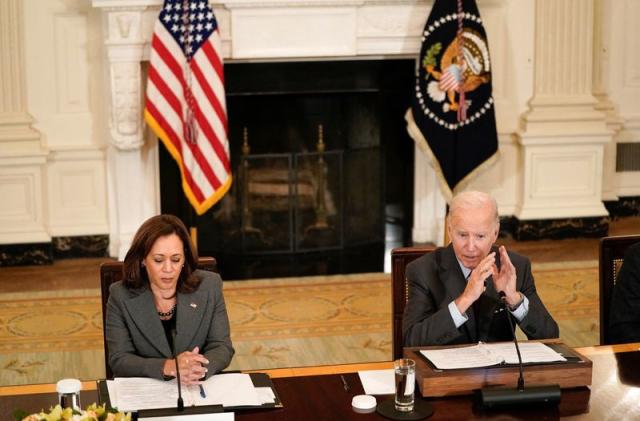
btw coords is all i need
(405, 369)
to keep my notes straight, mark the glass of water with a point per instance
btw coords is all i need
(405, 369)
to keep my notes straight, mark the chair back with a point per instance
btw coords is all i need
(400, 258)
(612, 251)
(111, 272)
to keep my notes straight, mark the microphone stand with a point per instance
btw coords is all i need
(180, 406)
(515, 341)
(180, 403)
(503, 396)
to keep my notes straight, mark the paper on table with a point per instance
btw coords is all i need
(266, 394)
(221, 416)
(137, 393)
(531, 352)
(485, 355)
(230, 389)
(464, 357)
(227, 389)
(378, 382)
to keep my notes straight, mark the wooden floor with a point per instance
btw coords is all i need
(84, 273)
(571, 249)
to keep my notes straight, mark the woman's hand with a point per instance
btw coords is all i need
(192, 367)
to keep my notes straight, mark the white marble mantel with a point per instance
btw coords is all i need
(285, 30)
(273, 30)
(281, 29)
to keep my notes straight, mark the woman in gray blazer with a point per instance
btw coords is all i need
(164, 306)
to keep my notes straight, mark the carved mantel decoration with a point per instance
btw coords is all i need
(343, 28)
(273, 30)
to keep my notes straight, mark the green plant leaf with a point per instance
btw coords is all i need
(432, 53)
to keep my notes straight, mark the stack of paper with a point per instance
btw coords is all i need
(485, 355)
(226, 389)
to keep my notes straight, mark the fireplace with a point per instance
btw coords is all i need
(257, 39)
(320, 155)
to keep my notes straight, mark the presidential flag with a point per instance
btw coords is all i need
(452, 117)
(185, 104)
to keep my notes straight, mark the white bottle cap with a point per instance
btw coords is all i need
(68, 386)
(363, 404)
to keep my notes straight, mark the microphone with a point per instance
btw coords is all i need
(180, 403)
(502, 396)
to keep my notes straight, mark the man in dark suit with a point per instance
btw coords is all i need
(624, 322)
(454, 291)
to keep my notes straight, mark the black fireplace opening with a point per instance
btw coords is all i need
(322, 168)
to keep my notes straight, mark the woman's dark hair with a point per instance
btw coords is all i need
(146, 236)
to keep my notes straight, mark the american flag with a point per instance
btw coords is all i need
(185, 104)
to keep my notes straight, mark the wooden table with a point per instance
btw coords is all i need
(317, 393)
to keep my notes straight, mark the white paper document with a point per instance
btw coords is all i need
(226, 389)
(378, 382)
(485, 355)
(221, 416)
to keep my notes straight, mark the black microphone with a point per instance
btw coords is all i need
(180, 404)
(502, 396)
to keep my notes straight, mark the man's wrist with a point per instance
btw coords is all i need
(462, 303)
(514, 303)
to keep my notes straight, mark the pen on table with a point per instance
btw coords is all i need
(344, 383)
(202, 394)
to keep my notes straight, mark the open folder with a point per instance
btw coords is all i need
(229, 391)
(486, 355)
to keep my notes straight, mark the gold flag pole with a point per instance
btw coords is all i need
(193, 231)
(447, 240)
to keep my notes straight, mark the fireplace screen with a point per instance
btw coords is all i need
(285, 203)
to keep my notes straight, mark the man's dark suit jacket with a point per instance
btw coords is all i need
(625, 303)
(138, 345)
(436, 279)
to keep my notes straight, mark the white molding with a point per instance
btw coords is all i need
(22, 217)
(311, 31)
(562, 180)
(77, 192)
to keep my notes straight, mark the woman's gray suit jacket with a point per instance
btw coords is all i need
(138, 346)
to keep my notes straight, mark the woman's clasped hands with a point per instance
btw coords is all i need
(192, 365)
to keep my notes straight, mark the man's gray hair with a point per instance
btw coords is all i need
(473, 199)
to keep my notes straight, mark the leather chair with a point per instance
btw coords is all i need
(612, 251)
(111, 272)
(400, 258)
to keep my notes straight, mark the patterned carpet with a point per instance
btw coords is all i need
(569, 290)
(274, 322)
